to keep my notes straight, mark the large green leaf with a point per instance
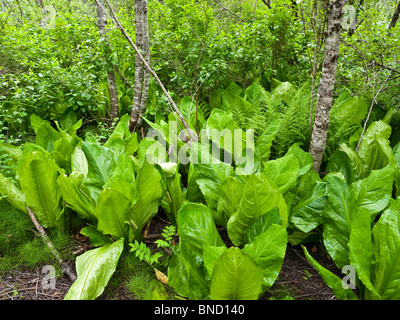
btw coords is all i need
(331, 280)
(264, 142)
(94, 269)
(38, 174)
(73, 195)
(236, 277)
(231, 192)
(283, 172)
(386, 249)
(196, 227)
(337, 219)
(13, 194)
(112, 214)
(360, 246)
(262, 224)
(101, 163)
(260, 195)
(340, 161)
(306, 214)
(46, 135)
(375, 147)
(150, 193)
(268, 251)
(374, 192)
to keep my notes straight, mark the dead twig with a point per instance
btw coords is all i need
(64, 266)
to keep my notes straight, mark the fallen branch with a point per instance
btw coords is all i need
(64, 266)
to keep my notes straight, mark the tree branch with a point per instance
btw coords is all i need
(65, 268)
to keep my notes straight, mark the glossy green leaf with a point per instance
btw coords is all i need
(331, 280)
(196, 227)
(262, 224)
(236, 277)
(260, 195)
(210, 255)
(268, 251)
(150, 193)
(112, 214)
(101, 163)
(38, 176)
(283, 172)
(337, 219)
(375, 147)
(386, 249)
(360, 248)
(374, 192)
(306, 214)
(94, 269)
(13, 194)
(73, 195)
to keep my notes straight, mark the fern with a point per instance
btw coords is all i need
(144, 254)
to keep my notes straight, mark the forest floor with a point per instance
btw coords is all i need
(134, 280)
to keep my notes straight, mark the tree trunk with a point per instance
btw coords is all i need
(395, 17)
(142, 76)
(327, 81)
(353, 26)
(112, 83)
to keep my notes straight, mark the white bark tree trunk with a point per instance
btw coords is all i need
(142, 76)
(112, 83)
(327, 82)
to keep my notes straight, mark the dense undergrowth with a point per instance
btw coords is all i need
(243, 83)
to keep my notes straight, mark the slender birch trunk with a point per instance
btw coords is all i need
(142, 76)
(112, 83)
(395, 17)
(327, 82)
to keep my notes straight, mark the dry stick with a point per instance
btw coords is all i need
(65, 268)
(370, 109)
(192, 138)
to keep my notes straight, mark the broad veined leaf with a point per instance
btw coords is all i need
(94, 269)
(79, 161)
(210, 255)
(46, 135)
(150, 193)
(332, 280)
(101, 163)
(38, 174)
(73, 195)
(264, 142)
(386, 250)
(236, 277)
(187, 275)
(97, 238)
(361, 168)
(208, 178)
(360, 246)
(231, 192)
(283, 172)
(306, 214)
(260, 195)
(13, 194)
(112, 214)
(197, 228)
(375, 147)
(268, 251)
(262, 224)
(374, 192)
(340, 161)
(337, 219)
